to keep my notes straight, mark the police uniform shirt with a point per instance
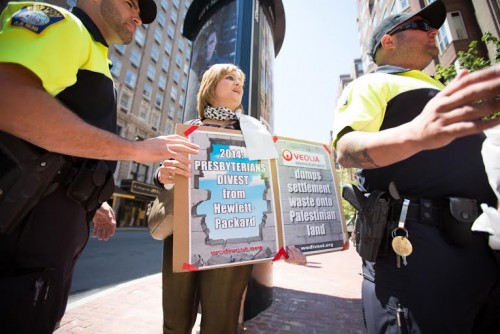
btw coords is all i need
(393, 96)
(67, 52)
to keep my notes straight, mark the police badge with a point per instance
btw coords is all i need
(36, 17)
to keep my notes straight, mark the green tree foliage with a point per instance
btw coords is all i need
(347, 175)
(471, 61)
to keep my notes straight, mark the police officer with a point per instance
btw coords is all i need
(399, 124)
(57, 100)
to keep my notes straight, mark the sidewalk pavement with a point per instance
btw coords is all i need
(320, 298)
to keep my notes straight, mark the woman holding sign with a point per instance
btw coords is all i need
(219, 291)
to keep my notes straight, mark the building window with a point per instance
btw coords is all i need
(168, 47)
(171, 110)
(173, 93)
(144, 111)
(159, 101)
(173, 16)
(164, 4)
(120, 130)
(117, 66)
(139, 172)
(147, 91)
(403, 4)
(359, 67)
(140, 37)
(171, 31)
(164, 64)
(178, 60)
(169, 127)
(162, 82)
(443, 37)
(130, 79)
(176, 3)
(161, 19)
(158, 35)
(155, 120)
(394, 9)
(176, 76)
(386, 13)
(186, 69)
(184, 84)
(181, 45)
(155, 53)
(151, 72)
(457, 26)
(120, 48)
(125, 100)
(135, 57)
(181, 101)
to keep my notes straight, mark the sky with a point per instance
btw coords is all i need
(321, 43)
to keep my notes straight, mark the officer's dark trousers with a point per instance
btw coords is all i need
(443, 289)
(36, 265)
(218, 290)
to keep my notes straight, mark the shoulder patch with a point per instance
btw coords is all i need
(36, 17)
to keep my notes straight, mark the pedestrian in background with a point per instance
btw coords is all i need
(57, 146)
(400, 125)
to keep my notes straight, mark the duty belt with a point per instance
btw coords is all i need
(432, 212)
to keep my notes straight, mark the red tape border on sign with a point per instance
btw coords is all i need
(189, 267)
(190, 130)
(281, 252)
(327, 149)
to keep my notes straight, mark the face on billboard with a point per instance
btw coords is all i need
(211, 44)
(214, 44)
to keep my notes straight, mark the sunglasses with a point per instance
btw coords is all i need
(418, 25)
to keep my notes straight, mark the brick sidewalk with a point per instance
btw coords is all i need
(321, 298)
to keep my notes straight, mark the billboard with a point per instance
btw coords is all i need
(215, 43)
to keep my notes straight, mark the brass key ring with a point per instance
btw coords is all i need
(399, 228)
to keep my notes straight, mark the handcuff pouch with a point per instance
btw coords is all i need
(458, 217)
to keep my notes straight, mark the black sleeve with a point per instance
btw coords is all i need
(156, 179)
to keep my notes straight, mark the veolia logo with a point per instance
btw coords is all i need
(287, 155)
(300, 156)
(303, 159)
(306, 157)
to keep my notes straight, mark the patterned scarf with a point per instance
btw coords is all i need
(219, 113)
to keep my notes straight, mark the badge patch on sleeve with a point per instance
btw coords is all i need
(36, 17)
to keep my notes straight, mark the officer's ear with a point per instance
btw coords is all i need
(387, 42)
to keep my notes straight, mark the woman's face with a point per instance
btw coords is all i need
(228, 91)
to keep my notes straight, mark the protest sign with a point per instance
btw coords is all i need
(225, 212)
(310, 210)
(236, 211)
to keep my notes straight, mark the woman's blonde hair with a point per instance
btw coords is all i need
(211, 77)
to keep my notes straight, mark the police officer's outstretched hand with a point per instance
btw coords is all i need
(104, 222)
(166, 147)
(458, 110)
